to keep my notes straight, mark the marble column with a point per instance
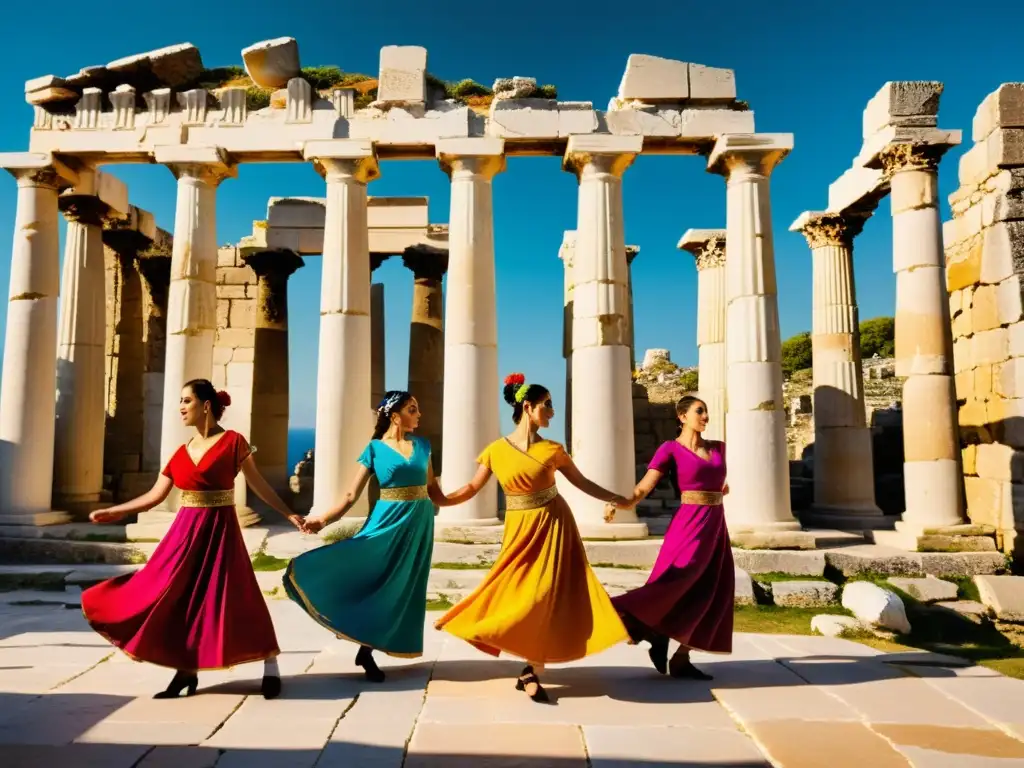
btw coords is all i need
(81, 363)
(924, 347)
(566, 253)
(27, 403)
(631, 253)
(759, 502)
(471, 384)
(269, 430)
(844, 481)
(155, 268)
(378, 334)
(191, 300)
(344, 419)
(602, 409)
(708, 249)
(426, 341)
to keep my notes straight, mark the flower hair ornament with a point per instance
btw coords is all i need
(388, 403)
(522, 387)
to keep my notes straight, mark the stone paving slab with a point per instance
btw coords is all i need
(67, 699)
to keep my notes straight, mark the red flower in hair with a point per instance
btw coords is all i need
(223, 398)
(515, 378)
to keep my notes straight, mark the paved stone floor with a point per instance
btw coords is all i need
(67, 700)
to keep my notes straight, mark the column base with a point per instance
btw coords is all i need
(772, 536)
(50, 517)
(613, 531)
(853, 518)
(949, 538)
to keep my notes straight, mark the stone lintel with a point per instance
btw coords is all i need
(763, 151)
(822, 228)
(936, 140)
(338, 149)
(426, 262)
(213, 163)
(696, 240)
(39, 164)
(858, 191)
(110, 191)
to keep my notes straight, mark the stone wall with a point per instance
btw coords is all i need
(984, 244)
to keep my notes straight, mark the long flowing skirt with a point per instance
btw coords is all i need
(540, 601)
(689, 595)
(195, 605)
(372, 588)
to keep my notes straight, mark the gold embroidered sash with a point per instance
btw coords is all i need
(406, 493)
(702, 498)
(520, 501)
(208, 499)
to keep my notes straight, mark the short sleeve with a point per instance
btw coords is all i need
(484, 459)
(561, 458)
(366, 457)
(663, 459)
(242, 450)
(168, 471)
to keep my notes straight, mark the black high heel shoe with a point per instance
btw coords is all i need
(527, 677)
(182, 681)
(271, 686)
(684, 669)
(659, 653)
(365, 660)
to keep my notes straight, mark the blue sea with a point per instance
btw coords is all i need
(299, 441)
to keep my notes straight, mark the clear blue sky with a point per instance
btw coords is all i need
(809, 72)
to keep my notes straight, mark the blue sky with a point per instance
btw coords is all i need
(808, 72)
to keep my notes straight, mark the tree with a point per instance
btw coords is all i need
(878, 337)
(689, 381)
(796, 353)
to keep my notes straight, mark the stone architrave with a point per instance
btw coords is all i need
(269, 430)
(81, 365)
(759, 502)
(27, 403)
(343, 416)
(471, 384)
(191, 300)
(566, 254)
(933, 481)
(426, 342)
(708, 249)
(602, 410)
(844, 482)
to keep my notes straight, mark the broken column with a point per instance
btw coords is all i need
(844, 482)
(759, 503)
(426, 341)
(708, 249)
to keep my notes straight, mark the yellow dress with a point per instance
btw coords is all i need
(540, 601)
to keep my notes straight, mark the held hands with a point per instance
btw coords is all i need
(619, 502)
(312, 524)
(298, 522)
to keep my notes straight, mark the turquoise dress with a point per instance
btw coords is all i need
(372, 588)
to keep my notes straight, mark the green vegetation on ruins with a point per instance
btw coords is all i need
(877, 337)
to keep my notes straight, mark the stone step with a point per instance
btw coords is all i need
(67, 551)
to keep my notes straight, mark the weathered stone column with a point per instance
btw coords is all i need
(269, 431)
(192, 299)
(471, 383)
(759, 503)
(344, 420)
(426, 341)
(631, 253)
(933, 480)
(708, 249)
(155, 268)
(844, 480)
(567, 253)
(378, 345)
(27, 403)
(81, 399)
(602, 410)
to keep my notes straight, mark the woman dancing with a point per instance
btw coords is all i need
(690, 593)
(372, 588)
(540, 601)
(195, 605)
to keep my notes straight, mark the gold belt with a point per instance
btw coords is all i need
(208, 498)
(702, 498)
(406, 493)
(520, 501)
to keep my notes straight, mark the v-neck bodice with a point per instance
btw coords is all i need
(393, 470)
(215, 470)
(521, 471)
(693, 472)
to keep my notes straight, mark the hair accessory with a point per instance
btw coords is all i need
(515, 378)
(388, 403)
(521, 392)
(223, 398)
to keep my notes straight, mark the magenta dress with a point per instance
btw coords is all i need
(689, 595)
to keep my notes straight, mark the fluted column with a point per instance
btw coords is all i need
(81, 367)
(344, 420)
(924, 346)
(426, 342)
(844, 482)
(602, 410)
(27, 403)
(191, 299)
(708, 249)
(759, 502)
(471, 385)
(566, 253)
(269, 431)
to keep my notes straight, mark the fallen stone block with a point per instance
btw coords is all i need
(514, 87)
(1003, 108)
(927, 590)
(744, 592)
(903, 102)
(971, 610)
(808, 563)
(652, 78)
(876, 606)
(712, 83)
(403, 71)
(272, 63)
(804, 594)
(173, 66)
(836, 626)
(1003, 596)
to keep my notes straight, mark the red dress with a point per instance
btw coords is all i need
(196, 604)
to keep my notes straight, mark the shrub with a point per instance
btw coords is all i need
(546, 92)
(257, 98)
(878, 337)
(323, 77)
(796, 353)
(689, 381)
(466, 88)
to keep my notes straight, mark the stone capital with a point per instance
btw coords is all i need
(902, 148)
(706, 245)
(756, 154)
(910, 157)
(632, 251)
(40, 169)
(207, 165)
(343, 159)
(269, 263)
(822, 228)
(83, 209)
(426, 263)
(585, 155)
(474, 156)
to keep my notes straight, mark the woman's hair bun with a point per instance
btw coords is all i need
(512, 384)
(223, 398)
